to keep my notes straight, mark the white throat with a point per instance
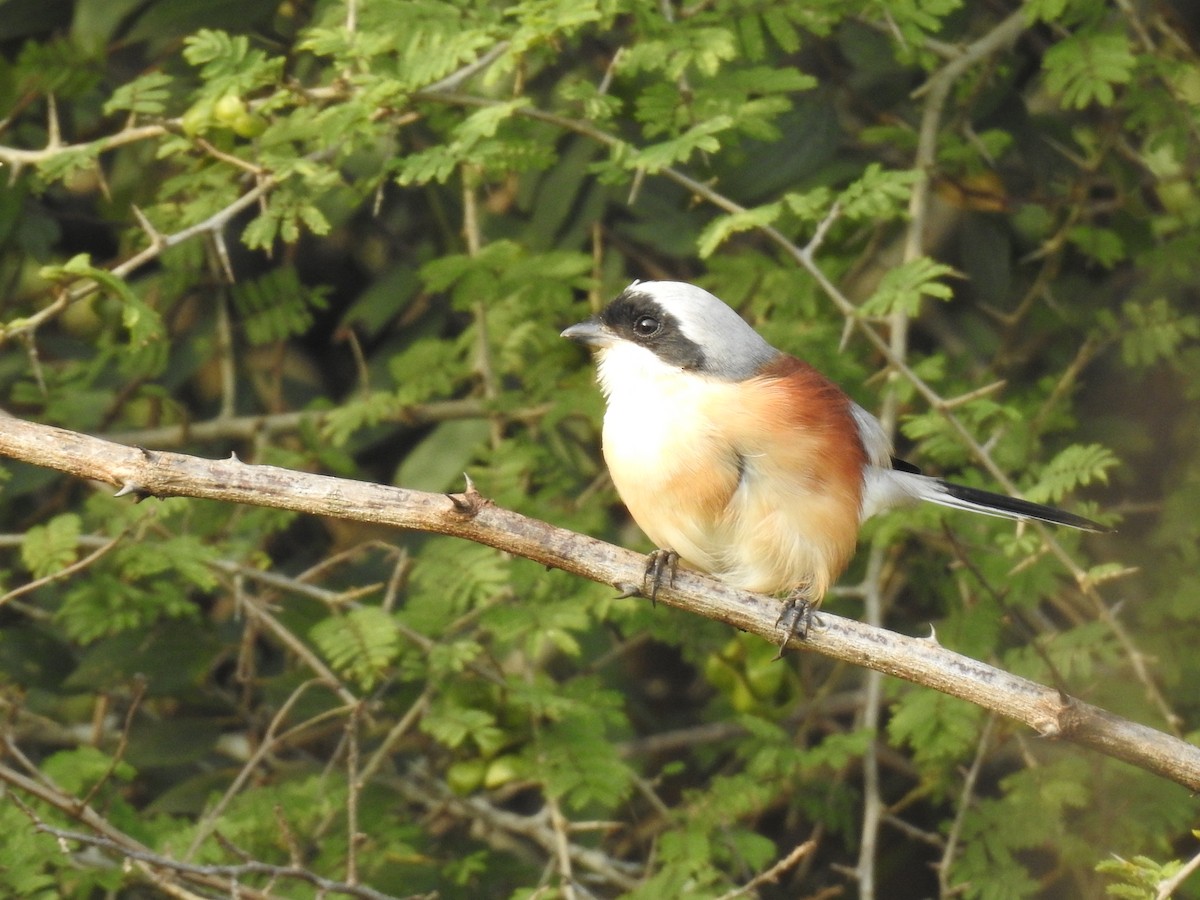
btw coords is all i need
(631, 374)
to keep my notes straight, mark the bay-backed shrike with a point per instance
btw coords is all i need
(745, 462)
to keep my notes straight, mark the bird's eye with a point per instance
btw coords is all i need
(646, 326)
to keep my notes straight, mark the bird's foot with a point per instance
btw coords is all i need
(658, 564)
(796, 619)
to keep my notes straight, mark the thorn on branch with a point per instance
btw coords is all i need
(53, 128)
(1049, 730)
(157, 240)
(133, 489)
(809, 251)
(470, 502)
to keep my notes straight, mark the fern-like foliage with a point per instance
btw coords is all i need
(1076, 466)
(359, 645)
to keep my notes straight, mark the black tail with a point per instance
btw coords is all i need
(962, 497)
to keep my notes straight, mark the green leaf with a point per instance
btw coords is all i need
(474, 141)
(276, 305)
(721, 229)
(146, 95)
(1102, 244)
(698, 48)
(52, 547)
(1153, 332)
(939, 729)
(184, 554)
(437, 463)
(216, 52)
(105, 604)
(76, 771)
(453, 577)
(702, 136)
(453, 725)
(1076, 466)
(577, 764)
(781, 28)
(903, 287)
(878, 194)
(1085, 67)
(359, 645)
(143, 323)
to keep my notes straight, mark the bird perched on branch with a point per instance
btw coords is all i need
(745, 462)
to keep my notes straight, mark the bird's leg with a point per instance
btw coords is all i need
(796, 618)
(660, 563)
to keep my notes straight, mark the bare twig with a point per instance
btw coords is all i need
(269, 743)
(772, 875)
(353, 788)
(501, 826)
(232, 875)
(66, 572)
(86, 287)
(17, 158)
(455, 79)
(1168, 886)
(562, 848)
(963, 806)
(104, 830)
(139, 693)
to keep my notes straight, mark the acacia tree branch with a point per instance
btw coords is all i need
(143, 473)
(111, 836)
(215, 874)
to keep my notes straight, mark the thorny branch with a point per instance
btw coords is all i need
(469, 515)
(231, 875)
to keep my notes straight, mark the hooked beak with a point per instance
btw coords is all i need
(590, 333)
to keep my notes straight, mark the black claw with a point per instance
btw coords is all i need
(795, 620)
(659, 563)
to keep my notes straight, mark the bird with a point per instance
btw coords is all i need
(742, 461)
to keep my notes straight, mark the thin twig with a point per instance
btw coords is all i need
(233, 874)
(773, 874)
(353, 787)
(135, 702)
(1168, 886)
(562, 848)
(962, 807)
(65, 572)
(270, 741)
(119, 841)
